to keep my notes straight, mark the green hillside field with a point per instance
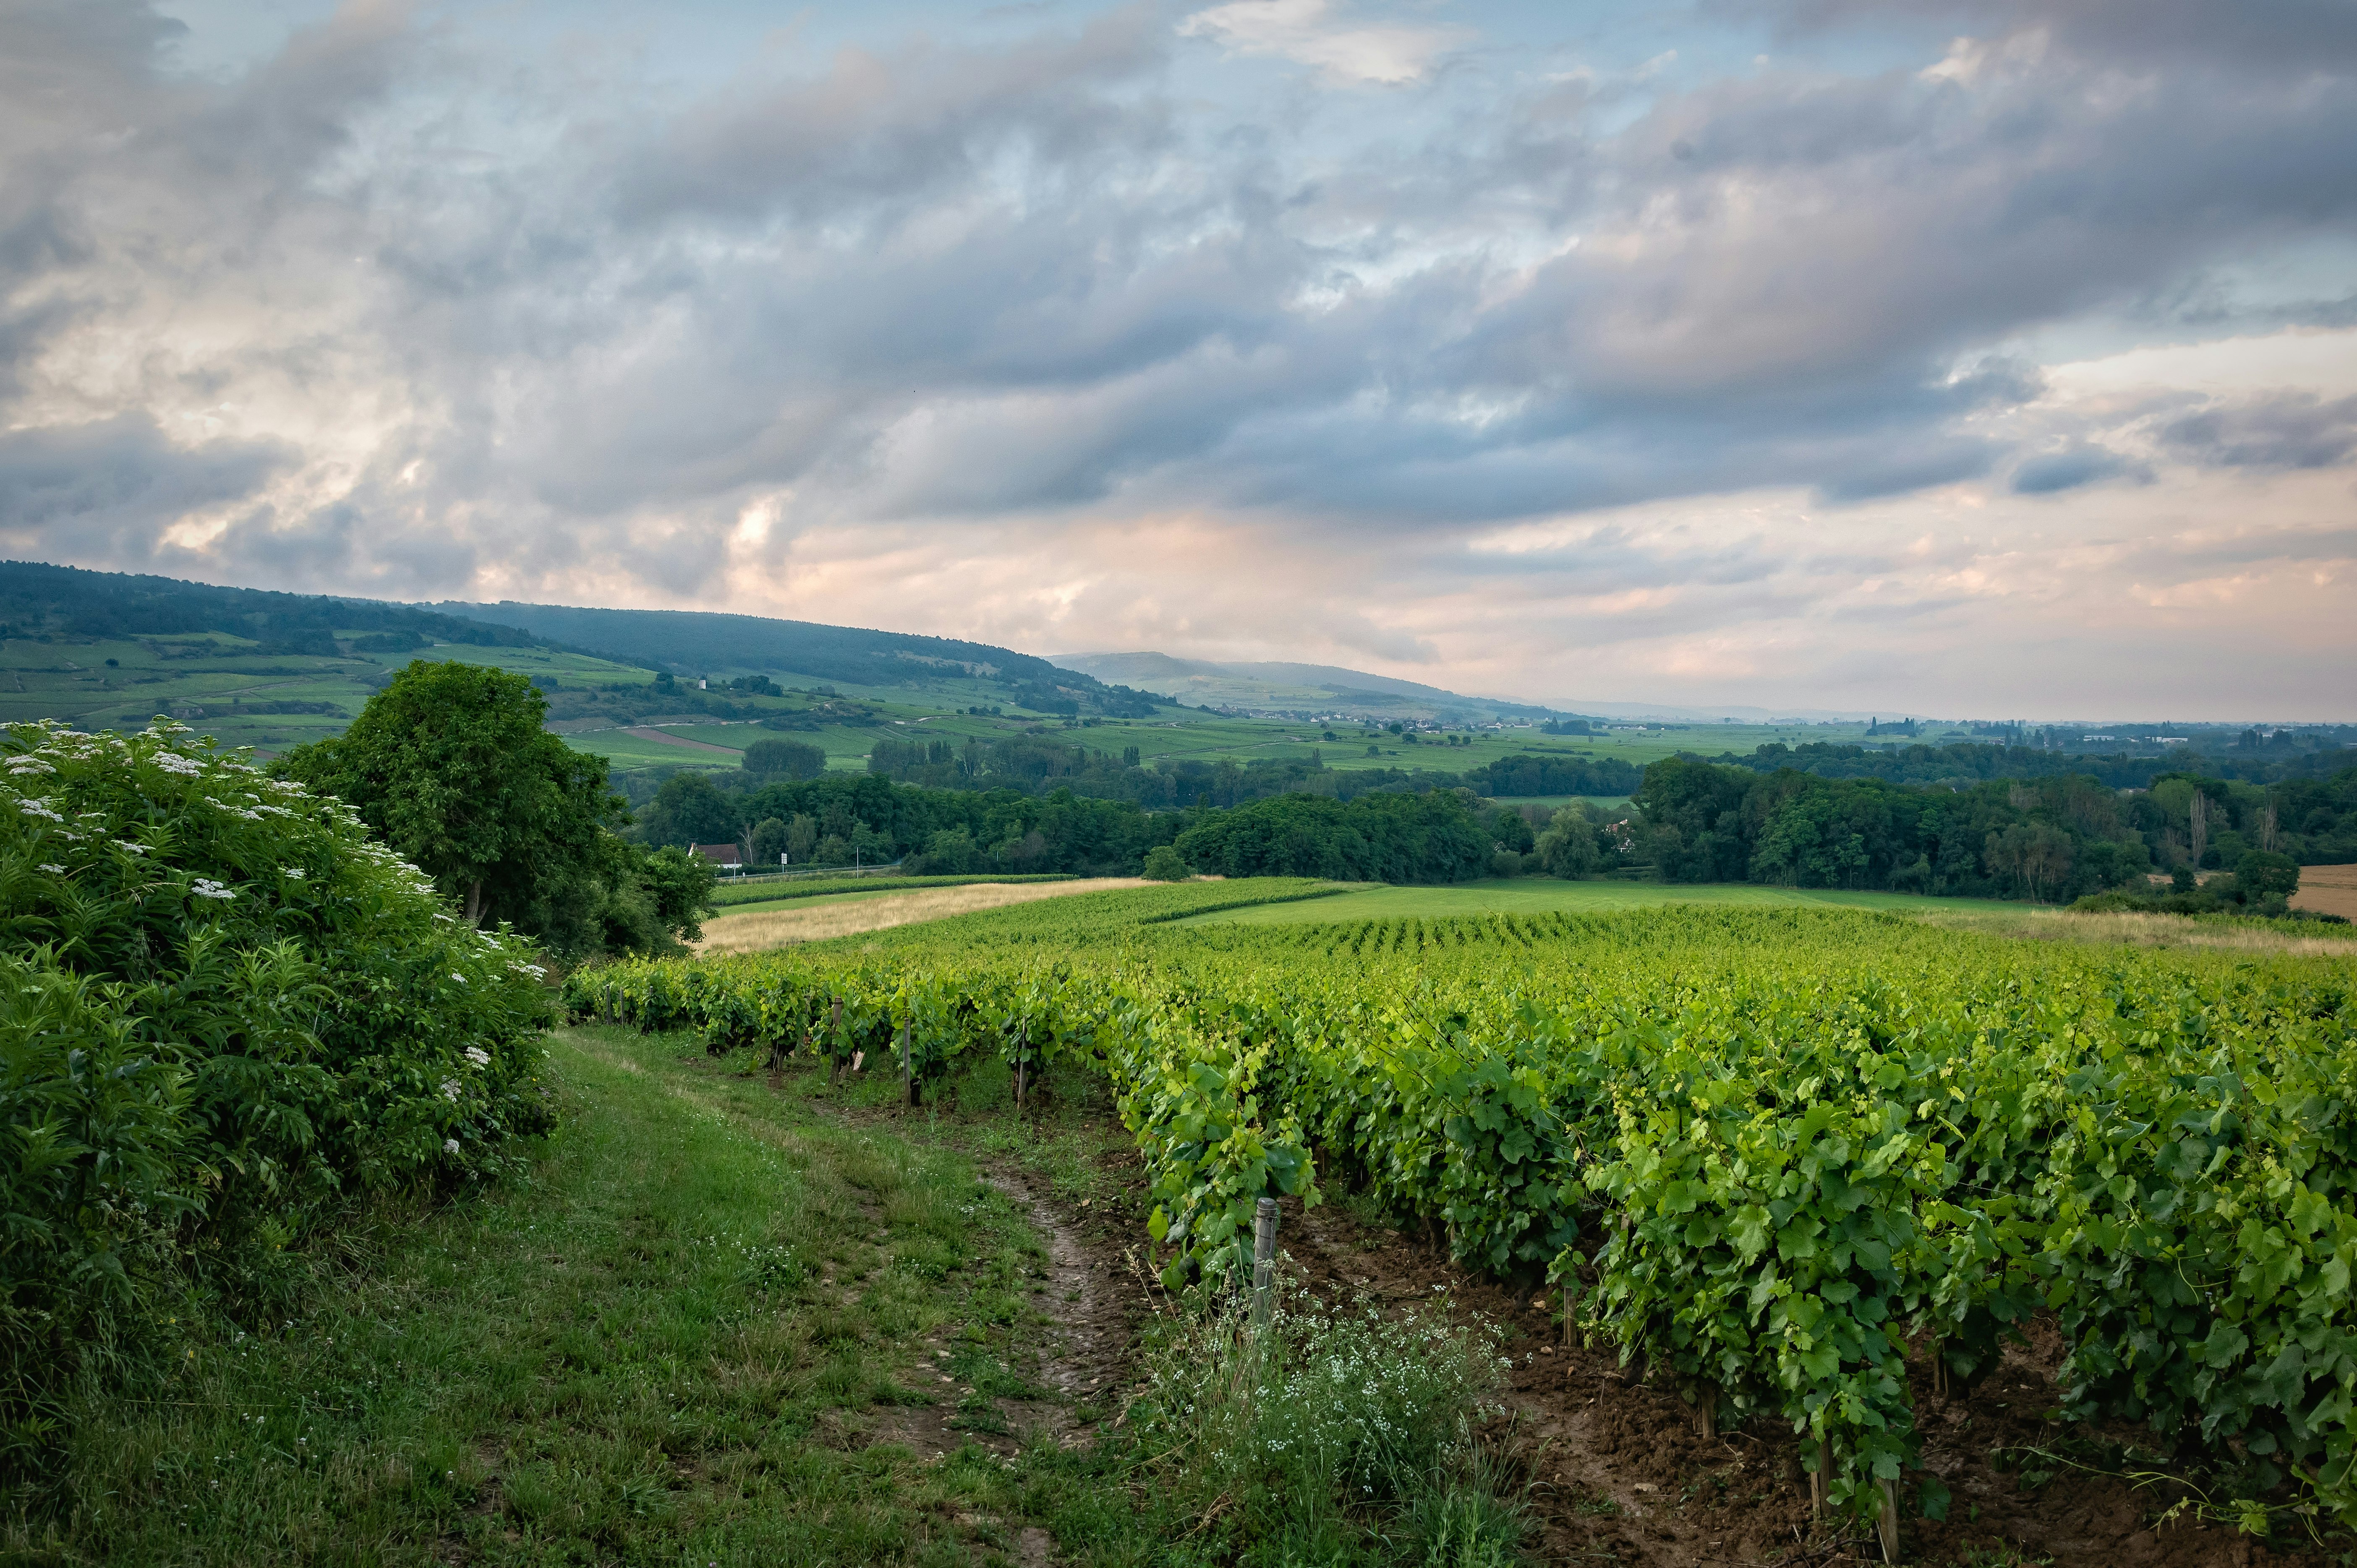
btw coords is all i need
(1534, 896)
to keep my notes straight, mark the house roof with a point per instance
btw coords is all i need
(719, 853)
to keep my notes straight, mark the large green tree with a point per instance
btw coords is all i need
(449, 766)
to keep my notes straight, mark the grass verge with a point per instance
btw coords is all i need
(781, 890)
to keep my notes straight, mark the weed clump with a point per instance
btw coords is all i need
(1333, 1434)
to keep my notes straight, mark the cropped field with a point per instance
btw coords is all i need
(1526, 895)
(2328, 890)
(759, 927)
(1815, 1167)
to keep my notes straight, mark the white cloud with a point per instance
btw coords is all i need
(1316, 33)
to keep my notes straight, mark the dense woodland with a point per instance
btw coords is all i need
(1052, 806)
(2253, 758)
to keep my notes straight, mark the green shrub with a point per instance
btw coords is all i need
(1164, 864)
(225, 1015)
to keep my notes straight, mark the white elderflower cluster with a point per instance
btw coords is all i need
(479, 1057)
(450, 1090)
(206, 888)
(450, 1145)
(54, 870)
(295, 873)
(39, 809)
(173, 762)
(22, 766)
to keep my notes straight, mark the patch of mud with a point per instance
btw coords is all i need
(1619, 1471)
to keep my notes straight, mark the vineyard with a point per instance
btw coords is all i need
(1775, 1156)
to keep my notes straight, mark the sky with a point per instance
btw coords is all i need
(1990, 359)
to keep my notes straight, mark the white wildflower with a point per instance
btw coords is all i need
(25, 765)
(480, 1056)
(39, 809)
(128, 847)
(295, 873)
(173, 762)
(54, 870)
(456, 976)
(207, 889)
(450, 1145)
(450, 1090)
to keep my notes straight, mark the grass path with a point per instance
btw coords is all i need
(672, 1341)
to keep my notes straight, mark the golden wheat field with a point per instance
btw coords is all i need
(2328, 890)
(759, 929)
(2135, 929)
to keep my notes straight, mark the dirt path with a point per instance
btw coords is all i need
(1094, 1312)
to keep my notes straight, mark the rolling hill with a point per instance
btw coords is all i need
(1297, 689)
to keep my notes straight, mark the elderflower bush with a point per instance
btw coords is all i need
(225, 1012)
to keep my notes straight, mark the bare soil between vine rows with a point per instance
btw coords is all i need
(1617, 1470)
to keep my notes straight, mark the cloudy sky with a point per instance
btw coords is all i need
(1993, 357)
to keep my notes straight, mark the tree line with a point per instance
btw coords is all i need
(451, 765)
(1967, 762)
(2045, 839)
(1041, 763)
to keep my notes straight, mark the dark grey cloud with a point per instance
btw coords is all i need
(960, 283)
(2076, 464)
(2286, 430)
(876, 134)
(118, 483)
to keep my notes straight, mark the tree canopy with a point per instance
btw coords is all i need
(449, 766)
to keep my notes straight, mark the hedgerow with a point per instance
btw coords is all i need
(226, 1016)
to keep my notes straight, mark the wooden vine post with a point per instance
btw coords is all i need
(1885, 1522)
(834, 1062)
(1022, 1048)
(1823, 1478)
(1264, 1260)
(908, 1072)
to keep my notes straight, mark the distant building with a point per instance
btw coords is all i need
(727, 856)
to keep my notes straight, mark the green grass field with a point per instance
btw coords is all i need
(721, 1317)
(1530, 895)
(715, 1322)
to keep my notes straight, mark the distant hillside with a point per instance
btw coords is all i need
(1294, 688)
(38, 600)
(701, 642)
